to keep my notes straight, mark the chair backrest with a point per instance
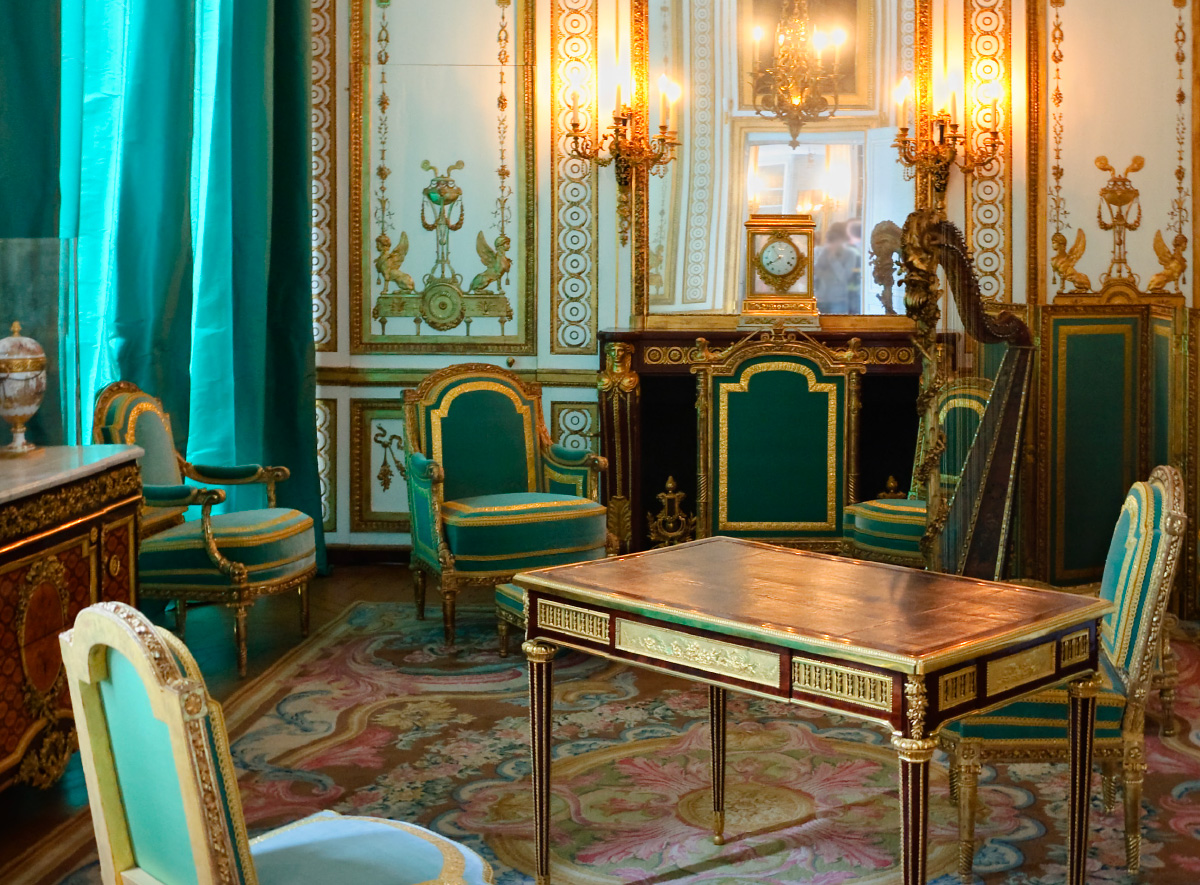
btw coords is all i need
(777, 435)
(1138, 573)
(482, 424)
(127, 415)
(960, 406)
(160, 780)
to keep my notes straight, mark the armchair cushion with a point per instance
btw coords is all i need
(511, 598)
(327, 847)
(888, 527)
(508, 533)
(218, 472)
(273, 544)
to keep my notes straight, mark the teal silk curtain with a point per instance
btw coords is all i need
(194, 248)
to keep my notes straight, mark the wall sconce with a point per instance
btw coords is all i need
(627, 145)
(936, 155)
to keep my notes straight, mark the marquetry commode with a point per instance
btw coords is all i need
(68, 538)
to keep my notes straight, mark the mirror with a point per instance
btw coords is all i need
(733, 161)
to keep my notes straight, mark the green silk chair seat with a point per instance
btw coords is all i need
(887, 528)
(275, 545)
(328, 848)
(513, 532)
(511, 598)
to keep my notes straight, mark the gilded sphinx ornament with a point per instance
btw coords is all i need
(1063, 261)
(1173, 261)
(442, 303)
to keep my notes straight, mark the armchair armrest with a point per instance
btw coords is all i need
(425, 484)
(239, 474)
(572, 471)
(180, 496)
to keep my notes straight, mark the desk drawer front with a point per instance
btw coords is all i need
(698, 652)
(573, 620)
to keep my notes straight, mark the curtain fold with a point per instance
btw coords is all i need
(194, 246)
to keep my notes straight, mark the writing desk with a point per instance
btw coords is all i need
(910, 649)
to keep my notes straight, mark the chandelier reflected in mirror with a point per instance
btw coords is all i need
(799, 82)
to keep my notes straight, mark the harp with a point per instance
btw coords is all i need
(968, 523)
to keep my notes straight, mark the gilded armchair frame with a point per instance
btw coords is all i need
(173, 501)
(1124, 756)
(789, 347)
(426, 480)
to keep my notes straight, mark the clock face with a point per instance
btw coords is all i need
(779, 257)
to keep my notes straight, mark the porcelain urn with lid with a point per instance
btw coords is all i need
(22, 386)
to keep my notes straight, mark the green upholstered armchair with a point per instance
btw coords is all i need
(231, 558)
(489, 495)
(890, 529)
(163, 790)
(777, 439)
(1138, 573)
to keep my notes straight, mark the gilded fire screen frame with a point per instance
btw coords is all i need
(512, 202)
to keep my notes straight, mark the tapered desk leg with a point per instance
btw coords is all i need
(914, 804)
(540, 656)
(1081, 729)
(716, 721)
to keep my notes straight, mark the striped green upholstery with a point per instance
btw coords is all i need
(136, 418)
(1128, 570)
(511, 598)
(274, 545)
(887, 528)
(513, 532)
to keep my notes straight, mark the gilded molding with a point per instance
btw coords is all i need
(353, 376)
(988, 44)
(957, 688)
(1075, 648)
(327, 461)
(842, 683)
(698, 652)
(916, 702)
(25, 517)
(363, 516)
(324, 173)
(575, 425)
(574, 208)
(573, 620)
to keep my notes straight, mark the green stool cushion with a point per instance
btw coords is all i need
(327, 847)
(890, 527)
(511, 598)
(274, 544)
(517, 531)
(1044, 716)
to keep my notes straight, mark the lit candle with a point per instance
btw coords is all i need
(663, 107)
(901, 96)
(839, 37)
(673, 92)
(618, 100)
(953, 106)
(575, 110)
(820, 43)
(758, 35)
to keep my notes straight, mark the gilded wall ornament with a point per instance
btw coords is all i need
(1063, 261)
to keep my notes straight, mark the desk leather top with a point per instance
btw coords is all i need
(882, 614)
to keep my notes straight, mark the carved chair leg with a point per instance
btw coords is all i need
(1134, 770)
(1108, 783)
(967, 768)
(449, 594)
(953, 778)
(304, 609)
(418, 577)
(180, 616)
(239, 635)
(1166, 680)
(502, 629)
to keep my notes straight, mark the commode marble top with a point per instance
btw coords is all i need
(53, 466)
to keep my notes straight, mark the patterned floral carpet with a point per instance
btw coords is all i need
(369, 717)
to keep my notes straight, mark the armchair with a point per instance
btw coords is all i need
(231, 558)
(1141, 565)
(164, 794)
(489, 494)
(890, 529)
(777, 439)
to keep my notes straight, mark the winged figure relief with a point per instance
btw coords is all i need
(1063, 261)
(388, 264)
(495, 261)
(1173, 262)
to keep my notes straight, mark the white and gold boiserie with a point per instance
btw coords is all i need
(22, 387)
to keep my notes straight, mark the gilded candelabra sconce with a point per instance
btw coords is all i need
(946, 145)
(800, 85)
(627, 145)
(671, 526)
(443, 302)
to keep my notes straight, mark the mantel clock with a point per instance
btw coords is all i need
(779, 284)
